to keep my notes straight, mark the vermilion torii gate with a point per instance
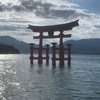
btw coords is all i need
(51, 29)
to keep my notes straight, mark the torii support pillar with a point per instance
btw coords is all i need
(31, 53)
(47, 53)
(54, 54)
(69, 52)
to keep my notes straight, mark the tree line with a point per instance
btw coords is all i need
(8, 49)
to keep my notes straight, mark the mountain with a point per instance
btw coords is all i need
(87, 46)
(83, 46)
(20, 45)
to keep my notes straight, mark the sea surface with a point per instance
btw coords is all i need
(21, 81)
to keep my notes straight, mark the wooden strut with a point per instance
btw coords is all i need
(53, 54)
(31, 53)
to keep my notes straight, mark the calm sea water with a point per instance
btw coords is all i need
(20, 81)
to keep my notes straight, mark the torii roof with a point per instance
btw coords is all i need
(61, 27)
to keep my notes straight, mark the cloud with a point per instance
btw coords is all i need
(11, 27)
(54, 13)
(97, 26)
(92, 6)
(25, 5)
(2, 7)
(44, 9)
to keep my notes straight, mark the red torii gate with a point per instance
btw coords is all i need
(51, 30)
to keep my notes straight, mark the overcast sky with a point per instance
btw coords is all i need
(15, 15)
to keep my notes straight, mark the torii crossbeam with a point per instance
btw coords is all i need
(53, 28)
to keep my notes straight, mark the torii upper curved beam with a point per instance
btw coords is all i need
(50, 29)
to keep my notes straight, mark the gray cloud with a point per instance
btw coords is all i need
(97, 26)
(10, 28)
(34, 5)
(40, 9)
(2, 7)
(91, 5)
(49, 13)
(25, 6)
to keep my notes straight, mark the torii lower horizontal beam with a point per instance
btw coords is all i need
(55, 36)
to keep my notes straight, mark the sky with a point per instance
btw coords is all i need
(15, 15)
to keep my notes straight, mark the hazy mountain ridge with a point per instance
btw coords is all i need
(87, 46)
(20, 45)
(83, 46)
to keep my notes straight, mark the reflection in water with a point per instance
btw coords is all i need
(7, 76)
(20, 81)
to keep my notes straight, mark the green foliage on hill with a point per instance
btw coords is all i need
(8, 49)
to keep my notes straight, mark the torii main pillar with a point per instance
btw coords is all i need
(40, 48)
(61, 49)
